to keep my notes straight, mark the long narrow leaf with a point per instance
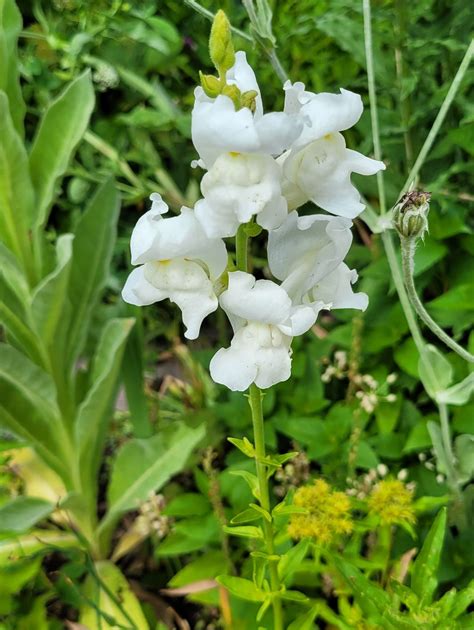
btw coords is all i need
(10, 27)
(61, 128)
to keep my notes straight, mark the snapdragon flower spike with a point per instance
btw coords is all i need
(306, 254)
(217, 127)
(318, 166)
(177, 261)
(264, 322)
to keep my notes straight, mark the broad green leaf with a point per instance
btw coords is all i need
(423, 579)
(62, 126)
(102, 612)
(436, 372)
(292, 559)
(20, 514)
(49, 297)
(14, 575)
(94, 412)
(92, 251)
(246, 516)
(145, 465)
(245, 589)
(458, 394)
(304, 622)
(205, 567)
(250, 478)
(464, 446)
(188, 504)
(10, 27)
(28, 407)
(16, 191)
(13, 274)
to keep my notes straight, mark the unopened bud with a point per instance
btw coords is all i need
(233, 92)
(210, 84)
(221, 48)
(410, 215)
(248, 99)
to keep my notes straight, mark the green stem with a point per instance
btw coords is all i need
(408, 255)
(448, 448)
(373, 101)
(443, 110)
(401, 20)
(241, 253)
(255, 399)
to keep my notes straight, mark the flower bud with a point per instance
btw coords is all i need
(233, 92)
(248, 99)
(410, 215)
(210, 84)
(221, 48)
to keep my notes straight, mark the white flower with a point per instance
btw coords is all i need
(237, 187)
(178, 261)
(318, 167)
(264, 322)
(306, 254)
(218, 128)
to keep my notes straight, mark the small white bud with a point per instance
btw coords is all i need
(403, 474)
(382, 470)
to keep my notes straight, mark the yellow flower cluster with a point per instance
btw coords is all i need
(392, 502)
(328, 513)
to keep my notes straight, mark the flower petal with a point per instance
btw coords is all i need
(138, 291)
(255, 300)
(242, 75)
(305, 249)
(336, 289)
(237, 187)
(217, 128)
(277, 132)
(185, 283)
(258, 354)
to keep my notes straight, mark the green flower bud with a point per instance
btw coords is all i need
(221, 48)
(248, 99)
(210, 84)
(410, 215)
(233, 92)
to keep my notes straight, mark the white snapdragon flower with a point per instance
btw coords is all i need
(318, 166)
(177, 261)
(307, 253)
(237, 187)
(217, 127)
(264, 322)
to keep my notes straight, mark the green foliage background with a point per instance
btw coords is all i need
(145, 58)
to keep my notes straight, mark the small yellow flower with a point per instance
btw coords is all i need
(392, 502)
(328, 513)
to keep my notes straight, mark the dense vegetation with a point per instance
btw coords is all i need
(116, 509)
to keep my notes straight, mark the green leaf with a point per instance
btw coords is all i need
(92, 252)
(20, 514)
(94, 412)
(121, 610)
(34, 543)
(245, 446)
(458, 394)
(304, 622)
(250, 478)
(188, 504)
(244, 589)
(462, 600)
(245, 531)
(258, 508)
(16, 190)
(294, 596)
(14, 575)
(247, 516)
(28, 407)
(10, 27)
(144, 466)
(292, 559)
(423, 580)
(371, 598)
(62, 126)
(436, 372)
(13, 274)
(48, 303)
(464, 447)
(133, 379)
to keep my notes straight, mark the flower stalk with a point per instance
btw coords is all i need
(408, 253)
(255, 400)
